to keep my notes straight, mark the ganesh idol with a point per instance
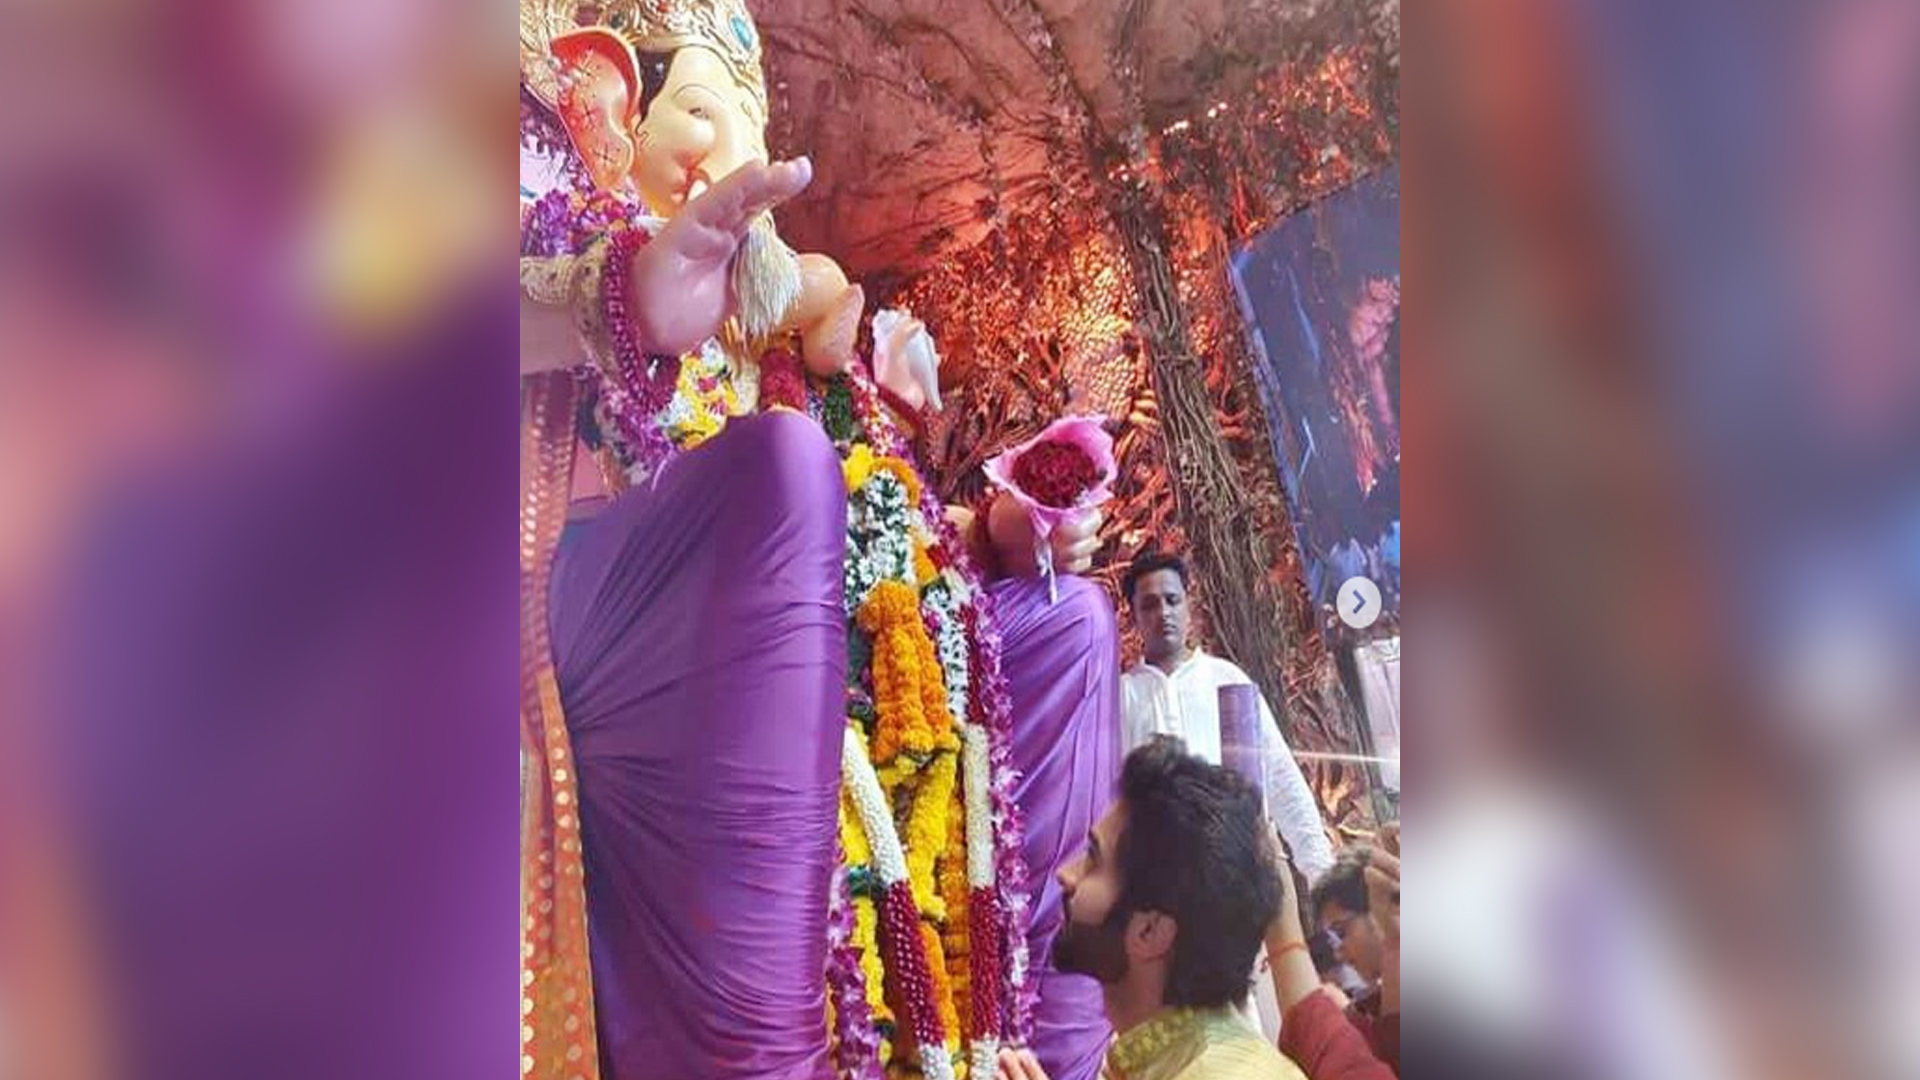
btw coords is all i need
(803, 749)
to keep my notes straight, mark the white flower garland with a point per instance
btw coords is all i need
(947, 595)
(976, 766)
(870, 802)
(880, 537)
(983, 1058)
(935, 1064)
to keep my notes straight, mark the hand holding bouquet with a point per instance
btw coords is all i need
(1059, 474)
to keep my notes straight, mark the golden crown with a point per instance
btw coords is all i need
(723, 26)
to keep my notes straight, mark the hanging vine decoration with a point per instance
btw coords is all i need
(1116, 286)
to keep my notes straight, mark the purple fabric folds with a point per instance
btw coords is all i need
(700, 644)
(1062, 667)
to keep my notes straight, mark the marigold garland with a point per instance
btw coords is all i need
(853, 839)
(857, 466)
(861, 463)
(955, 932)
(942, 986)
(867, 940)
(866, 936)
(912, 722)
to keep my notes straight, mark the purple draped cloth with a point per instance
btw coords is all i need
(700, 643)
(1062, 667)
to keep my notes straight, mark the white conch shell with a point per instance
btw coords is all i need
(905, 360)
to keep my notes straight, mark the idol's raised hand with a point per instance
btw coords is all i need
(680, 288)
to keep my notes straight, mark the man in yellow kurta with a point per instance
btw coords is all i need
(1166, 908)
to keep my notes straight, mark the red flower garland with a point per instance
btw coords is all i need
(640, 385)
(781, 382)
(651, 392)
(984, 927)
(1055, 473)
(900, 930)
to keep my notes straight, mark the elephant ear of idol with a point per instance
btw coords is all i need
(599, 89)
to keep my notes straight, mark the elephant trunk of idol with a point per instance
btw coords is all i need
(766, 272)
(766, 280)
(776, 291)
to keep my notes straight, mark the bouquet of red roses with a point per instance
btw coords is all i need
(1066, 469)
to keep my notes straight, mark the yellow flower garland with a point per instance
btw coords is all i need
(927, 830)
(853, 840)
(861, 463)
(953, 891)
(866, 933)
(857, 467)
(942, 992)
(866, 923)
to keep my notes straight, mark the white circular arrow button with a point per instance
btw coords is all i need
(1359, 602)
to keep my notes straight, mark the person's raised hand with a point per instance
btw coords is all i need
(1383, 907)
(1285, 926)
(1073, 541)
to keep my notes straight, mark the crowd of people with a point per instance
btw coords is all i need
(1181, 886)
(1198, 894)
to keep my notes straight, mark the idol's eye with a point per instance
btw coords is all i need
(699, 112)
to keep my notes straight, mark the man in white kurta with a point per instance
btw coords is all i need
(1175, 691)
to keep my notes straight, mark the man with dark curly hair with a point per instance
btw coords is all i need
(1166, 908)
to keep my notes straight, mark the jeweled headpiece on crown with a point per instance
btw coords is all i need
(660, 26)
